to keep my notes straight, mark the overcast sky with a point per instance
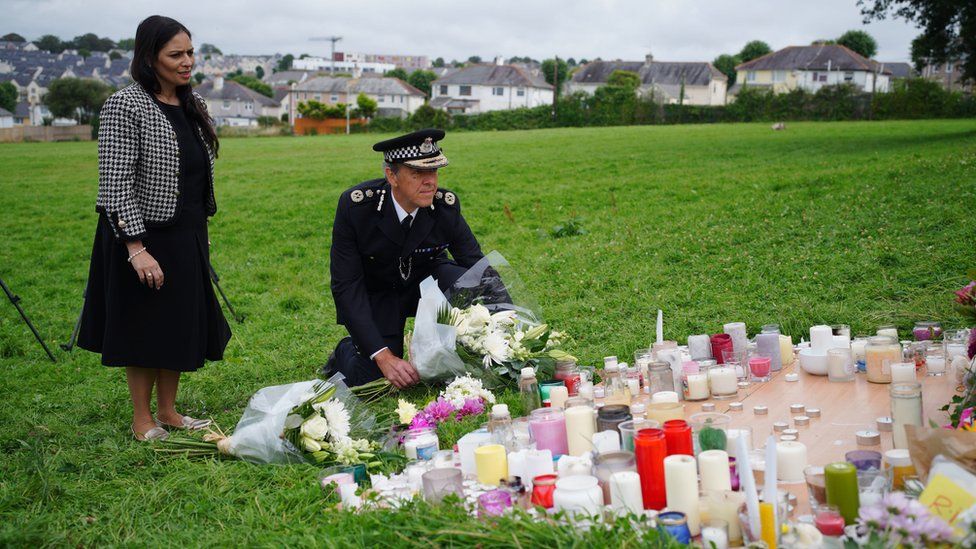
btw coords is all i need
(673, 30)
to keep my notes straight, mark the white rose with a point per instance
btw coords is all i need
(496, 347)
(478, 316)
(315, 427)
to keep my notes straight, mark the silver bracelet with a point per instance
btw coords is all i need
(137, 253)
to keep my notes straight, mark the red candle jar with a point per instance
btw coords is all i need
(760, 366)
(543, 487)
(650, 449)
(677, 433)
(720, 342)
(828, 520)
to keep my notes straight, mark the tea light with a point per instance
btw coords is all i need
(743, 384)
(797, 408)
(802, 420)
(791, 433)
(868, 438)
(760, 410)
(780, 426)
(884, 424)
(813, 412)
(791, 459)
(792, 377)
(708, 407)
(735, 407)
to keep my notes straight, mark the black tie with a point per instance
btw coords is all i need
(405, 224)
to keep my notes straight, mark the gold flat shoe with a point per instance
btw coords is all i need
(156, 433)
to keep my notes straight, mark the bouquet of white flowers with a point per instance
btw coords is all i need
(317, 422)
(481, 331)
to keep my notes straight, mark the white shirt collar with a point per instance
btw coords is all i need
(402, 213)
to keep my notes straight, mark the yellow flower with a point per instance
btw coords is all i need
(406, 411)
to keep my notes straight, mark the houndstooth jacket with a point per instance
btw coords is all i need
(139, 164)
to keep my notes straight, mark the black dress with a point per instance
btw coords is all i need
(180, 325)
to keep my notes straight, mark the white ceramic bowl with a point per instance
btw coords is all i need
(813, 363)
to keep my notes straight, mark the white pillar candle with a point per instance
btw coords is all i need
(740, 340)
(841, 342)
(904, 411)
(714, 466)
(606, 441)
(903, 372)
(558, 397)
(840, 366)
(786, 349)
(516, 463)
(347, 493)
(697, 386)
(537, 462)
(722, 381)
(415, 473)
(700, 347)
(664, 396)
(725, 506)
(633, 385)
(580, 427)
(791, 459)
(768, 344)
(857, 350)
(821, 338)
(733, 435)
(714, 537)
(625, 493)
(681, 487)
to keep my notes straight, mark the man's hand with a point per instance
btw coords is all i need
(401, 373)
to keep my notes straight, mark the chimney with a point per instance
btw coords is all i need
(499, 60)
(218, 83)
(648, 59)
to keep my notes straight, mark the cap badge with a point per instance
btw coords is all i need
(427, 146)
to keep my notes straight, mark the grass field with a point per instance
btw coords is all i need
(860, 223)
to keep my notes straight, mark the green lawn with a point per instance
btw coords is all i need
(861, 223)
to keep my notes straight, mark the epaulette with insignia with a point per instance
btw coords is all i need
(366, 194)
(446, 197)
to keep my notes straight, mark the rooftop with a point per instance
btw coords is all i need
(818, 57)
(494, 75)
(691, 73)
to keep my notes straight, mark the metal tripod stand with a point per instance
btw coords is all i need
(15, 300)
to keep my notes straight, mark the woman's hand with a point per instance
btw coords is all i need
(146, 266)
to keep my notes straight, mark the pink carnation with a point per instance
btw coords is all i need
(439, 410)
(965, 296)
(471, 407)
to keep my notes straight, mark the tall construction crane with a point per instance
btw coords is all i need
(332, 39)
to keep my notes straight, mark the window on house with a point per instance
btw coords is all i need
(848, 76)
(779, 76)
(949, 67)
(443, 89)
(823, 77)
(318, 97)
(498, 91)
(226, 104)
(520, 92)
(401, 99)
(249, 106)
(750, 76)
(334, 98)
(465, 90)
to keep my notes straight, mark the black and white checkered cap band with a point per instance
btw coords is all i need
(410, 153)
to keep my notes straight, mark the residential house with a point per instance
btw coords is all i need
(393, 96)
(811, 68)
(233, 104)
(689, 83)
(22, 114)
(489, 87)
(409, 63)
(287, 78)
(899, 70)
(349, 67)
(948, 75)
(6, 118)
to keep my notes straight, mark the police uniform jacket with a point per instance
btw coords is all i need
(377, 267)
(139, 164)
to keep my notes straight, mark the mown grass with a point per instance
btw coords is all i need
(861, 223)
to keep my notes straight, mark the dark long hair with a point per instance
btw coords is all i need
(153, 33)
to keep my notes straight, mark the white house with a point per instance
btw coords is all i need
(233, 104)
(484, 88)
(6, 118)
(811, 68)
(689, 83)
(351, 67)
(393, 96)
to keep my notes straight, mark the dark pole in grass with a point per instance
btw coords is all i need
(216, 281)
(15, 300)
(74, 333)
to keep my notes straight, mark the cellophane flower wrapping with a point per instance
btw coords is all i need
(487, 326)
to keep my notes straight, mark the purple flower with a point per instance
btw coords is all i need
(972, 344)
(421, 421)
(439, 410)
(964, 296)
(873, 515)
(471, 407)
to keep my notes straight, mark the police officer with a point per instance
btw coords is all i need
(389, 234)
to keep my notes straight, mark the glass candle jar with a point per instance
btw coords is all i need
(605, 465)
(927, 331)
(760, 367)
(722, 381)
(935, 360)
(420, 443)
(906, 409)
(611, 416)
(543, 487)
(858, 346)
(879, 353)
(828, 520)
(549, 430)
(694, 384)
(864, 460)
(678, 434)
(659, 377)
(720, 342)
(709, 430)
(663, 411)
(888, 330)
(675, 523)
(494, 503)
(569, 374)
(840, 365)
(545, 390)
(628, 430)
(438, 483)
(650, 449)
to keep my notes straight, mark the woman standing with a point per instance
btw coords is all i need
(150, 307)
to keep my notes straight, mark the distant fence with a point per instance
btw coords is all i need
(82, 132)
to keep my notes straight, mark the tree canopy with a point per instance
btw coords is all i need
(13, 37)
(948, 29)
(8, 96)
(752, 50)
(253, 83)
(555, 71)
(397, 73)
(366, 106)
(726, 64)
(859, 41)
(76, 98)
(285, 62)
(422, 80)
